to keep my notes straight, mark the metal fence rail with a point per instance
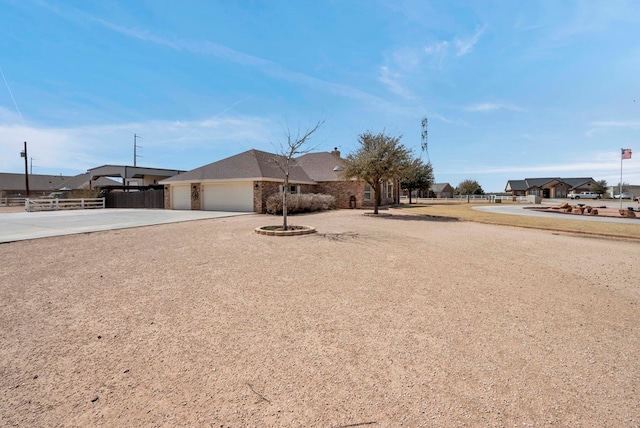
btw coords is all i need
(63, 204)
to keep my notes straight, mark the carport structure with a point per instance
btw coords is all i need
(132, 175)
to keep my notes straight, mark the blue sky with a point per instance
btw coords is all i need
(511, 89)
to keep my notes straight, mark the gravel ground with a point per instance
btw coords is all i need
(381, 322)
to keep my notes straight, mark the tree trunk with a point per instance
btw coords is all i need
(376, 199)
(409, 195)
(285, 188)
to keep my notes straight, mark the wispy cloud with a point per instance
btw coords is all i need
(461, 46)
(438, 52)
(593, 17)
(438, 48)
(392, 81)
(594, 127)
(486, 107)
(448, 120)
(399, 70)
(196, 47)
(464, 46)
(616, 124)
(9, 116)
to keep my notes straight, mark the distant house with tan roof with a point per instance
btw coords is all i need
(442, 190)
(553, 187)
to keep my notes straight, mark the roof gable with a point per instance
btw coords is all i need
(516, 185)
(539, 182)
(441, 187)
(322, 166)
(579, 182)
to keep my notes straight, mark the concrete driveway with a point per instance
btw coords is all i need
(528, 211)
(24, 225)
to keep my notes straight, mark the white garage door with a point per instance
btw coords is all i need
(228, 197)
(180, 197)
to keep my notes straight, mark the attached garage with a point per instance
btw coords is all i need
(228, 196)
(240, 183)
(180, 197)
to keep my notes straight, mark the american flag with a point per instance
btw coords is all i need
(626, 153)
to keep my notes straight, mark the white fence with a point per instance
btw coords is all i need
(474, 198)
(63, 204)
(9, 202)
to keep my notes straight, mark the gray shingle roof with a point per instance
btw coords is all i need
(37, 182)
(250, 165)
(323, 166)
(81, 181)
(529, 183)
(439, 187)
(517, 185)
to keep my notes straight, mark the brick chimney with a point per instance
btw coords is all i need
(336, 152)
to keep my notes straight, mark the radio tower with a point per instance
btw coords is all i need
(425, 135)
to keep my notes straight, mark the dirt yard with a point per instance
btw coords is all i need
(380, 322)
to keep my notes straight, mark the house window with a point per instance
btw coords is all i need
(293, 189)
(367, 192)
(387, 190)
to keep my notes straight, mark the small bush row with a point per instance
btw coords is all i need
(301, 203)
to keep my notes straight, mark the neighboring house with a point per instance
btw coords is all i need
(243, 182)
(554, 187)
(39, 185)
(42, 185)
(442, 190)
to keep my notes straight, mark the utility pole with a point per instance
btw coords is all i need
(26, 167)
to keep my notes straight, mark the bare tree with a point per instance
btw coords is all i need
(286, 160)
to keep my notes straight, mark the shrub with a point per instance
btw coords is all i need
(301, 203)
